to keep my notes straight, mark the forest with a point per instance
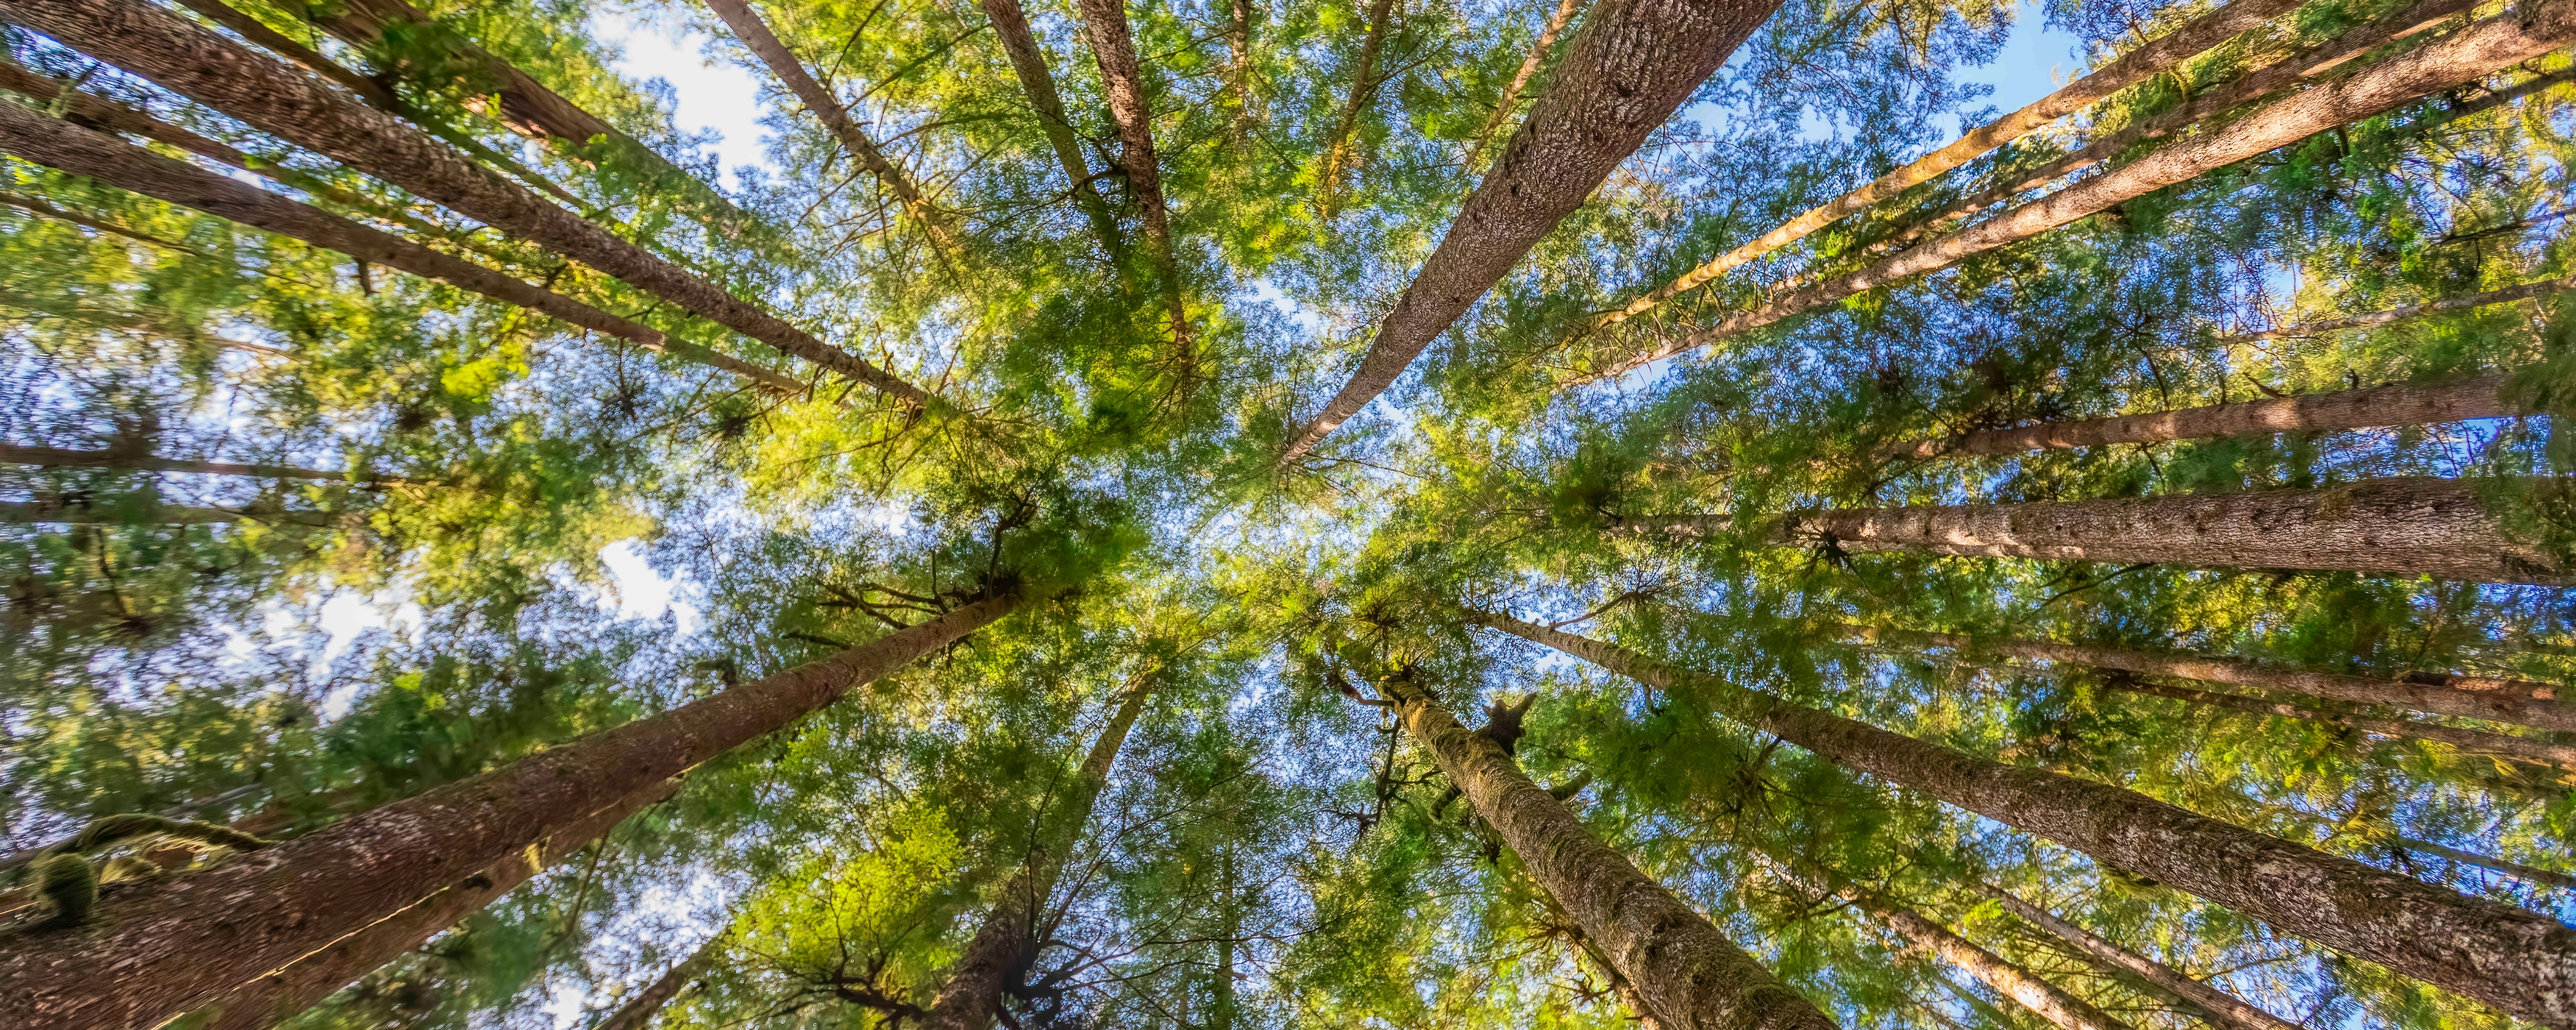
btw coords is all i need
(1233, 514)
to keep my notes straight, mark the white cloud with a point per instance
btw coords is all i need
(722, 98)
(641, 592)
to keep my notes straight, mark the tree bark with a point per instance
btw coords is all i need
(763, 43)
(184, 942)
(1104, 23)
(279, 995)
(2530, 750)
(2395, 404)
(1364, 83)
(2397, 526)
(2517, 870)
(1690, 975)
(2506, 295)
(56, 457)
(2519, 961)
(2129, 69)
(1028, 62)
(1238, 68)
(269, 96)
(639, 1011)
(2481, 49)
(61, 513)
(972, 997)
(1631, 66)
(1511, 101)
(2224, 1010)
(2521, 702)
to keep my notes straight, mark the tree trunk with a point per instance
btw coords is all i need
(973, 994)
(2221, 1009)
(59, 144)
(1364, 85)
(1511, 101)
(2481, 49)
(2476, 697)
(2531, 750)
(55, 457)
(280, 994)
(2136, 66)
(2396, 404)
(2506, 295)
(1691, 976)
(1238, 68)
(185, 942)
(2513, 869)
(2398, 526)
(205, 66)
(2519, 961)
(62, 513)
(755, 34)
(1104, 23)
(1631, 66)
(1028, 62)
(639, 1011)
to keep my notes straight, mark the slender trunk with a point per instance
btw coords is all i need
(1364, 83)
(2479, 50)
(257, 89)
(1028, 62)
(1238, 68)
(1223, 1008)
(185, 942)
(2519, 961)
(1632, 65)
(2517, 870)
(2476, 697)
(1690, 976)
(62, 145)
(2398, 526)
(2131, 68)
(638, 1012)
(972, 997)
(280, 994)
(2031, 991)
(1104, 23)
(2531, 750)
(2395, 404)
(1511, 100)
(763, 43)
(55, 457)
(2506, 295)
(58, 512)
(2221, 1009)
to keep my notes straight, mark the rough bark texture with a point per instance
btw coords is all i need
(2226, 1011)
(1113, 48)
(205, 66)
(1690, 976)
(1511, 100)
(2519, 961)
(1238, 71)
(782, 62)
(2396, 404)
(62, 513)
(2524, 749)
(56, 457)
(2129, 69)
(2477, 697)
(279, 995)
(2478, 50)
(2027, 989)
(1364, 83)
(62, 145)
(1028, 62)
(639, 1011)
(2397, 526)
(182, 943)
(2513, 869)
(279, 43)
(972, 997)
(1632, 64)
(2506, 295)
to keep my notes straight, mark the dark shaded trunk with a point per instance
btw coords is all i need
(1028, 63)
(2221, 1009)
(1633, 63)
(2396, 404)
(972, 997)
(58, 512)
(55, 457)
(2477, 697)
(1364, 83)
(2129, 69)
(184, 942)
(2481, 49)
(2506, 295)
(638, 1012)
(1689, 975)
(2530, 750)
(2398, 526)
(279, 995)
(1511, 100)
(2519, 961)
(272, 97)
(1113, 48)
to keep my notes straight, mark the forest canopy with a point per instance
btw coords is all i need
(1288, 513)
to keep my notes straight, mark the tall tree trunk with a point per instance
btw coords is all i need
(279, 994)
(1028, 62)
(59, 144)
(2476, 697)
(2221, 1009)
(638, 1012)
(269, 96)
(2519, 961)
(1364, 83)
(2129, 69)
(2506, 295)
(2531, 750)
(1511, 100)
(1690, 975)
(58, 512)
(186, 942)
(2397, 526)
(1238, 68)
(763, 43)
(1634, 62)
(2481, 49)
(1113, 48)
(2395, 404)
(2029, 990)
(2516, 870)
(55, 457)
(972, 997)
